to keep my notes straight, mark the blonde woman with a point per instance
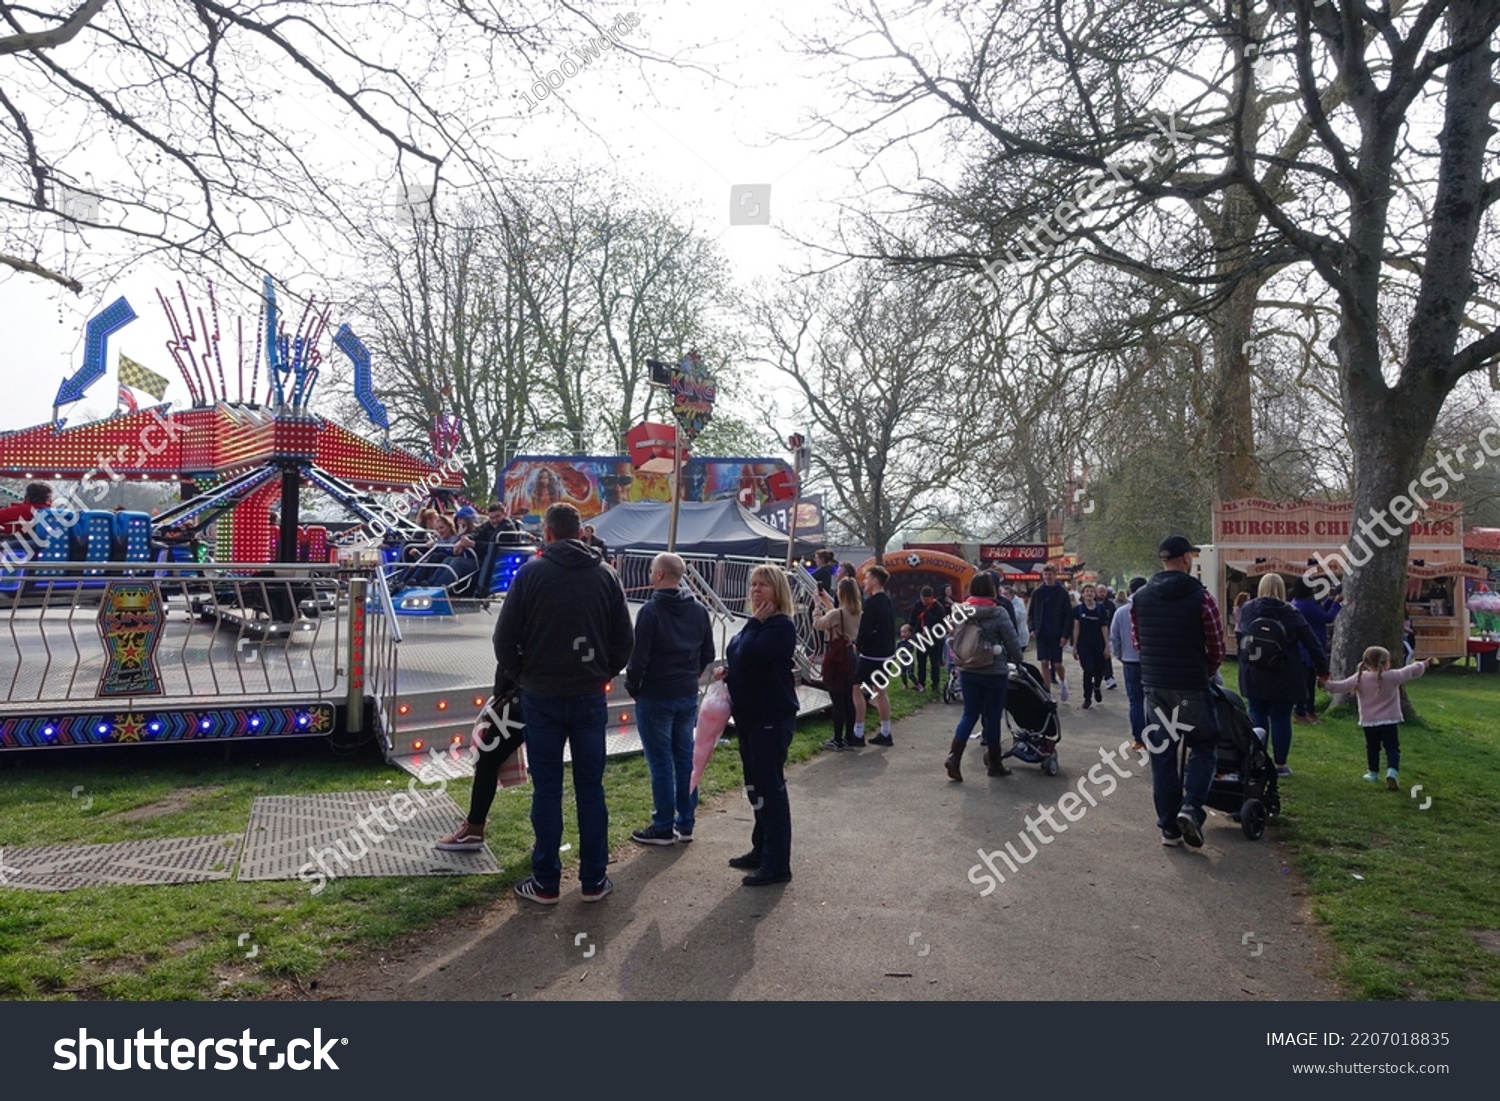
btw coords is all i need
(841, 622)
(1267, 634)
(763, 702)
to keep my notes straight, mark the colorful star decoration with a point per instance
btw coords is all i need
(131, 648)
(128, 728)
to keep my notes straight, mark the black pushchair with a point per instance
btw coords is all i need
(1031, 718)
(1244, 784)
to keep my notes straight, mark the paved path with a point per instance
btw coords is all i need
(882, 907)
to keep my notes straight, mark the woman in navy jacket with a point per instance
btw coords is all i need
(1270, 694)
(1320, 616)
(763, 703)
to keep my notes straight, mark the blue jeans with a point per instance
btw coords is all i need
(1195, 714)
(1275, 718)
(1135, 692)
(666, 727)
(551, 723)
(984, 700)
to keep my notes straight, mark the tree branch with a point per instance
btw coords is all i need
(64, 32)
(32, 268)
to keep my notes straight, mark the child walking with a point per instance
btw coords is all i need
(1380, 708)
(905, 643)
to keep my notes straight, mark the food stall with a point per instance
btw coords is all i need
(1253, 537)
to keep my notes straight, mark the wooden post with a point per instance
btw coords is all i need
(791, 535)
(676, 487)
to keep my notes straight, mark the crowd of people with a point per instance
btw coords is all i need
(454, 546)
(565, 630)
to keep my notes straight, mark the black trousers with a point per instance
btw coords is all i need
(841, 691)
(763, 747)
(1387, 736)
(501, 746)
(1092, 662)
(932, 655)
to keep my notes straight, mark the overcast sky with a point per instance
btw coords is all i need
(691, 136)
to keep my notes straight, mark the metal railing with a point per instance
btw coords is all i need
(184, 633)
(382, 656)
(720, 613)
(723, 584)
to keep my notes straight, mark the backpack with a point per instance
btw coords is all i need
(970, 650)
(838, 659)
(1266, 644)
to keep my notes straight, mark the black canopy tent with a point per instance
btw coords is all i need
(709, 528)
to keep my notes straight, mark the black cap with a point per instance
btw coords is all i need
(1175, 546)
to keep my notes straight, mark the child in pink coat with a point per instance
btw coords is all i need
(1377, 687)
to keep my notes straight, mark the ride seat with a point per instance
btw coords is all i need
(132, 537)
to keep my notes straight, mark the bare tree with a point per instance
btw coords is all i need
(181, 107)
(531, 317)
(1368, 162)
(879, 366)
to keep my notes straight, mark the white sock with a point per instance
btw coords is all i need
(885, 728)
(859, 730)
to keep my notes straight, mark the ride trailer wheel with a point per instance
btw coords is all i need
(1253, 819)
(1049, 766)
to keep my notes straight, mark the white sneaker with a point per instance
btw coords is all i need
(1063, 689)
(1373, 777)
(1110, 683)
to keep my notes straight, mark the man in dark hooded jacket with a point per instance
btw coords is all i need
(563, 632)
(1175, 623)
(674, 643)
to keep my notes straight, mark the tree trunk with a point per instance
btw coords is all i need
(1387, 432)
(1237, 471)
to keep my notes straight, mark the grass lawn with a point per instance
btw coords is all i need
(173, 943)
(1428, 886)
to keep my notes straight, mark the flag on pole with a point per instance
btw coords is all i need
(127, 400)
(134, 375)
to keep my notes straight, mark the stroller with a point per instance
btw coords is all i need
(952, 691)
(1244, 784)
(1031, 717)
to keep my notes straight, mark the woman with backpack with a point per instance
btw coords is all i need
(984, 683)
(1271, 674)
(841, 622)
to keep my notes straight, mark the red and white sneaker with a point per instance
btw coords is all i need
(465, 839)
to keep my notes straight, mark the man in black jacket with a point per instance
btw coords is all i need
(673, 645)
(563, 631)
(823, 575)
(876, 643)
(927, 613)
(1175, 623)
(1049, 616)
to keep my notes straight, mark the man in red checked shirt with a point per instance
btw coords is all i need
(17, 517)
(1175, 623)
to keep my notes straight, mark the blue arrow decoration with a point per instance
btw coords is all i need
(364, 384)
(112, 318)
(276, 365)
